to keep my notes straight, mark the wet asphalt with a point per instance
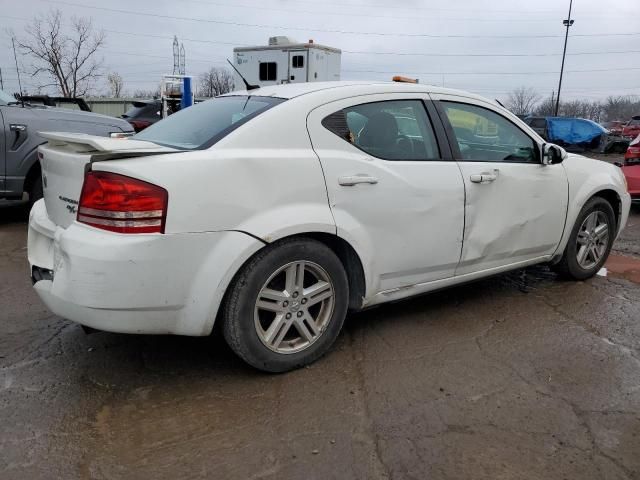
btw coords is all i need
(521, 376)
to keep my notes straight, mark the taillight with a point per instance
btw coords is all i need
(122, 204)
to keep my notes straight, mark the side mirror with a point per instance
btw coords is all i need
(552, 154)
(618, 164)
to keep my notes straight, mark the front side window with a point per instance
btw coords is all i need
(483, 135)
(391, 130)
(203, 124)
(268, 71)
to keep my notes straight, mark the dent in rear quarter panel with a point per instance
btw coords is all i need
(264, 179)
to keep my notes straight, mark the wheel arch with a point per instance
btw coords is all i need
(35, 171)
(344, 251)
(350, 260)
(614, 200)
(606, 192)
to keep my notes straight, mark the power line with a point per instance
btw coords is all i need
(487, 54)
(367, 15)
(345, 32)
(494, 73)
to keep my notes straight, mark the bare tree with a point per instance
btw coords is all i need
(145, 94)
(115, 84)
(68, 60)
(522, 100)
(546, 107)
(621, 107)
(215, 82)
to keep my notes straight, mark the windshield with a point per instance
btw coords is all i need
(5, 98)
(202, 125)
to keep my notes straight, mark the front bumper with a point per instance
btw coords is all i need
(143, 283)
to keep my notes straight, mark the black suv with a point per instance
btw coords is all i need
(143, 113)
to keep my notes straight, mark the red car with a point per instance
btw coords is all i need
(631, 169)
(615, 127)
(632, 128)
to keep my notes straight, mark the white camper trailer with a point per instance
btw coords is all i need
(286, 61)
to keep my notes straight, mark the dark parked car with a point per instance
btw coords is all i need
(19, 140)
(143, 113)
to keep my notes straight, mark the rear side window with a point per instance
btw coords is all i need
(268, 71)
(203, 124)
(391, 130)
(485, 136)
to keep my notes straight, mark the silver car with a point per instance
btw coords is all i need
(19, 168)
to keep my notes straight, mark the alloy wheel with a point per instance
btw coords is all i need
(294, 307)
(592, 240)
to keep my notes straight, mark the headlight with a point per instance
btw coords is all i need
(120, 134)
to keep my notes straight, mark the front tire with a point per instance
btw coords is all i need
(286, 307)
(590, 241)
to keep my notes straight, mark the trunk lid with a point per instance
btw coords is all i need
(65, 159)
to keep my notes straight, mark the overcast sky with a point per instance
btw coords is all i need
(457, 42)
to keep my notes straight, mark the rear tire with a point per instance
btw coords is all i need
(590, 241)
(287, 305)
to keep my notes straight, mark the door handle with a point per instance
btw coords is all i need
(20, 135)
(351, 180)
(484, 177)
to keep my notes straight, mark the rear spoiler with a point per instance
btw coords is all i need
(103, 148)
(102, 144)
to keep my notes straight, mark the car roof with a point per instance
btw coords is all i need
(292, 90)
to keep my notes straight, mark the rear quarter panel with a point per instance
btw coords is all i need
(263, 179)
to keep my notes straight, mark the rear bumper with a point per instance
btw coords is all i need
(143, 283)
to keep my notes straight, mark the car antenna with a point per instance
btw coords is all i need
(500, 103)
(13, 42)
(246, 84)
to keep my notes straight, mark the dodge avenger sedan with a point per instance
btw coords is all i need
(276, 211)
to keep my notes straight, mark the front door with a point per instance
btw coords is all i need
(298, 66)
(515, 206)
(395, 193)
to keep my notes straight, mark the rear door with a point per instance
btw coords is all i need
(515, 206)
(394, 191)
(298, 66)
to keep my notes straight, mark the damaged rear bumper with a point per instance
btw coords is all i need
(143, 283)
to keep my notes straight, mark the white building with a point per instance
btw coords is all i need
(286, 61)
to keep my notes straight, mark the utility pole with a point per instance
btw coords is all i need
(1, 82)
(567, 23)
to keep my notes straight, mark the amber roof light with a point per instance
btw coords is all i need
(401, 79)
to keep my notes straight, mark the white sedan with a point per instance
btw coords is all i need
(276, 211)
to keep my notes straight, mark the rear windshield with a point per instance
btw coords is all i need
(202, 125)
